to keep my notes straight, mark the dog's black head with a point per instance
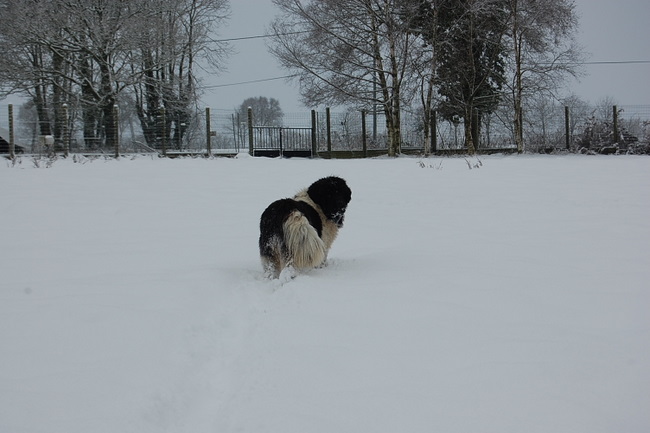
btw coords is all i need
(332, 194)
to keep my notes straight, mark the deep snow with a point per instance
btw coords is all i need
(512, 297)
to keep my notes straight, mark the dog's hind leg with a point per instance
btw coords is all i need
(272, 257)
(270, 269)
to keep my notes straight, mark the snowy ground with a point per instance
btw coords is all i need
(513, 297)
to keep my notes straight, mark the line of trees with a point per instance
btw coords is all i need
(88, 55)
(458, 58)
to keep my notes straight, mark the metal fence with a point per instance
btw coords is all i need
(547, 127)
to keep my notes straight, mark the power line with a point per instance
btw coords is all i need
(601, 62)
(261, 80)
(244, 38)
(615, 62)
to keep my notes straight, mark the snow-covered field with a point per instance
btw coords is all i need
(512, 297)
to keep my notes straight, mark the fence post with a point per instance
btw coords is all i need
(250, 131)
(65, 132)
(434, 132)
(328, 123)
(314, 138)
(116, 125)
(12, 143)
(236, 133)
(208, 132)
(364, 140)
(163, 131)
(567, 128)
(615, 117)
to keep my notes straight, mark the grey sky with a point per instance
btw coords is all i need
(610, 31)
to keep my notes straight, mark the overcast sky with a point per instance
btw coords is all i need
(610, 31)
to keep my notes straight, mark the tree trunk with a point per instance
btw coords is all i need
(469, 128)
(41, 110)
(108, 101)
(40, 92)
(518, 115)
(395, 133)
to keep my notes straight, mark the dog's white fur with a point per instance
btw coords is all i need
(330, 229)
(306, 248)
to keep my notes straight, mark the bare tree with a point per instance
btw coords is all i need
(543, 50)
(579, 111)
(87, 52)
(27, 64)
(603, 109)
(72, 52)
(173, 42)
(421, 19)
(350, 52)
(99, 36)
(266, 112)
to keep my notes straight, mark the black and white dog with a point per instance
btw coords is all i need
(297, 233)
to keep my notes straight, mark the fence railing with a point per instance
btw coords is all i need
(331, 134)
(280, 140)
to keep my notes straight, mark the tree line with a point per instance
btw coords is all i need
(91, 56)
(456, 58)
(459, 59)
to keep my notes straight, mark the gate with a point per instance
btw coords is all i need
(274, 141)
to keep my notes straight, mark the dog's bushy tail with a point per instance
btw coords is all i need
(306, 248)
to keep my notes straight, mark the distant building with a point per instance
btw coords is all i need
(4, 143)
